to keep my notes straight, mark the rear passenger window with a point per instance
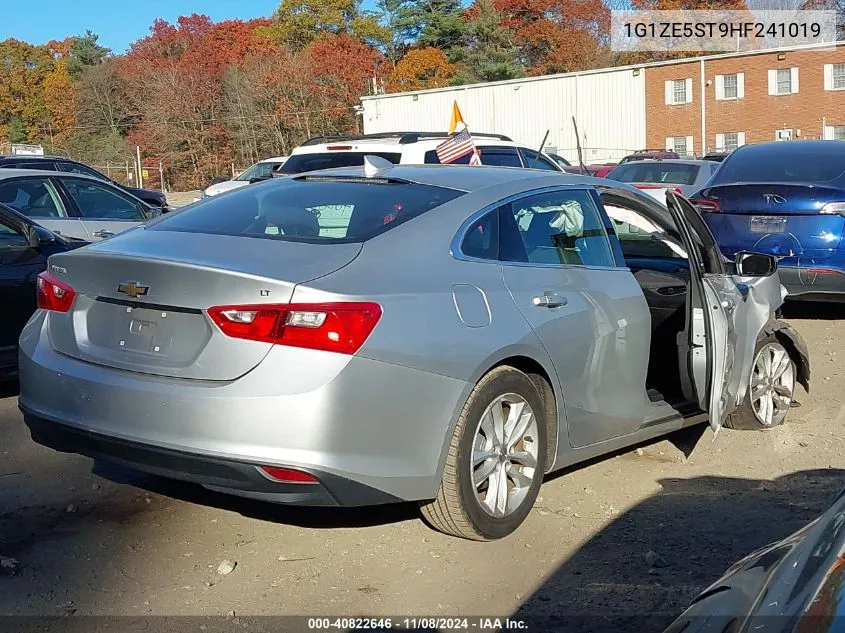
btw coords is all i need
(533, 160)
(499, 157)
(559, 228)
(482, 238)
(34, 197)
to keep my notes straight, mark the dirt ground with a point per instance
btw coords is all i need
(113, 542)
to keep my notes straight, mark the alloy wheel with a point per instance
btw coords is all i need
(772, 384)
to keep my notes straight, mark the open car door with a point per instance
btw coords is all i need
(732, 311)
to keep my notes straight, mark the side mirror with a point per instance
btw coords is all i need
(755, 264)
(38, 235)
(33, 238)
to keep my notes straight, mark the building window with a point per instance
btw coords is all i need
(838, 76)
(730, 87)
(783, 135)
(679, 91)
(731, 141)
(679, 145)
(839, 132)
(784, 81)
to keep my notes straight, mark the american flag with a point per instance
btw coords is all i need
(457, 145)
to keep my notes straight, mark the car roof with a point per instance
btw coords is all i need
(828, 148)
(10, 172)
(40, 157)
(671, 161)
(274, 159)
(395, 146)
(466, 178)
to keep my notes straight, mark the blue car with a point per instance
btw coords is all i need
(785, 199)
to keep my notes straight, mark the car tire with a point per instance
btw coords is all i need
(771, 388)
(515, 462)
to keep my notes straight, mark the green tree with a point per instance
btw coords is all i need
(297, 23)
(488, 52)
(85, 51)
(438, 24)
(17, 130)
(397, 17)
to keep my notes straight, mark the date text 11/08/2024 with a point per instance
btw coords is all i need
(416, 623)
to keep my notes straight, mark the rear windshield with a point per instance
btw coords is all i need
(669, 173)
(317, 210)
(300, 163)
(799, 165)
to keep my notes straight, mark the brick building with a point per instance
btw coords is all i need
(748, 98)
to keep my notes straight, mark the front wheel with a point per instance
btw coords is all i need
(496, 460)
(770, 389)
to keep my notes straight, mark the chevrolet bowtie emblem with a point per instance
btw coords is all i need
(133, 289)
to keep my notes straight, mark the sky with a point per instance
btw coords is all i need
(117, 23)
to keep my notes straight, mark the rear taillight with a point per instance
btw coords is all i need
(288, 475)
(338, 148)
(331, 327)
(833, 208)
(53, 294)
(706, 206)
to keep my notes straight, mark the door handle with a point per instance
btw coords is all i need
(103, 234)
(549, 300)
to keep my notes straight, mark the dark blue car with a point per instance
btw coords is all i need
(786, 199)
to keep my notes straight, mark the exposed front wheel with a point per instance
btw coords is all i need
(770, 391)
(496, 460)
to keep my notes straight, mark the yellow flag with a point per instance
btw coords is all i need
(457, 119)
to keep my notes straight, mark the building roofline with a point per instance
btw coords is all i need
(611, 69)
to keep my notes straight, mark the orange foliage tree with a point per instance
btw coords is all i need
(421, 68)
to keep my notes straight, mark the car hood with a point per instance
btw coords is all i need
(146, 194)
(227, 185)
(792, 586)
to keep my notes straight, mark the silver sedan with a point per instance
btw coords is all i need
(445, 334)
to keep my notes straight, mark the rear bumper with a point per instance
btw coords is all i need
(223, 475)
(819, 283)
(378, 428)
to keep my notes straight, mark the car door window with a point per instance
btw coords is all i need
(640, 237)
(100, 201)
(481, 239)
(561, 228)
(74, 168)
(535, 160)
(34, 197)
(11, 236)
(500, 156)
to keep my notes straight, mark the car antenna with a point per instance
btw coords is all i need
(578, 145)
(540, 151)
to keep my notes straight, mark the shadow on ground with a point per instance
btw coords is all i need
(698, 527)
(813, 310)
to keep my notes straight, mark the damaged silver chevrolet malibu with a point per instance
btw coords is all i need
(445, 335)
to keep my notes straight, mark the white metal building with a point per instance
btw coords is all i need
(608, 105)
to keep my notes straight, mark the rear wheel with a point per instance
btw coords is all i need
(770, 389)
(496, 460)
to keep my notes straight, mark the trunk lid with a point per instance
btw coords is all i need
(778, 219)
(175, 277)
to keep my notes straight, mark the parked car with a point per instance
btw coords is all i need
(271, 354)
(408, 148)
(560, 160)
(599, 170)
(716, 157)
(151, 197)
(72, 205)
(649, 154)
(24, 249)
(788, 200)
(259, 171)
(656, 176)
(792, 586)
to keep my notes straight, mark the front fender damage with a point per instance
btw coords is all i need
(794, 344)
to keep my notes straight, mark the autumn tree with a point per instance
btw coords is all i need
(22, 104)
(420, 69)
(297, 23)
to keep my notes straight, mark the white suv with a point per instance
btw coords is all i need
(407, 148)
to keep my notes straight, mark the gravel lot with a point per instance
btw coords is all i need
(110, 541)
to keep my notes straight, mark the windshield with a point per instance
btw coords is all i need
(317, 210)
(669, 173)
(258, 170)
(300, 163)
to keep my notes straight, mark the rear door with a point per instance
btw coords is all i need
(38, 198)
(105, 210)
(726, 326)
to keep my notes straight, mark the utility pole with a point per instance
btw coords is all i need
(140, 175)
